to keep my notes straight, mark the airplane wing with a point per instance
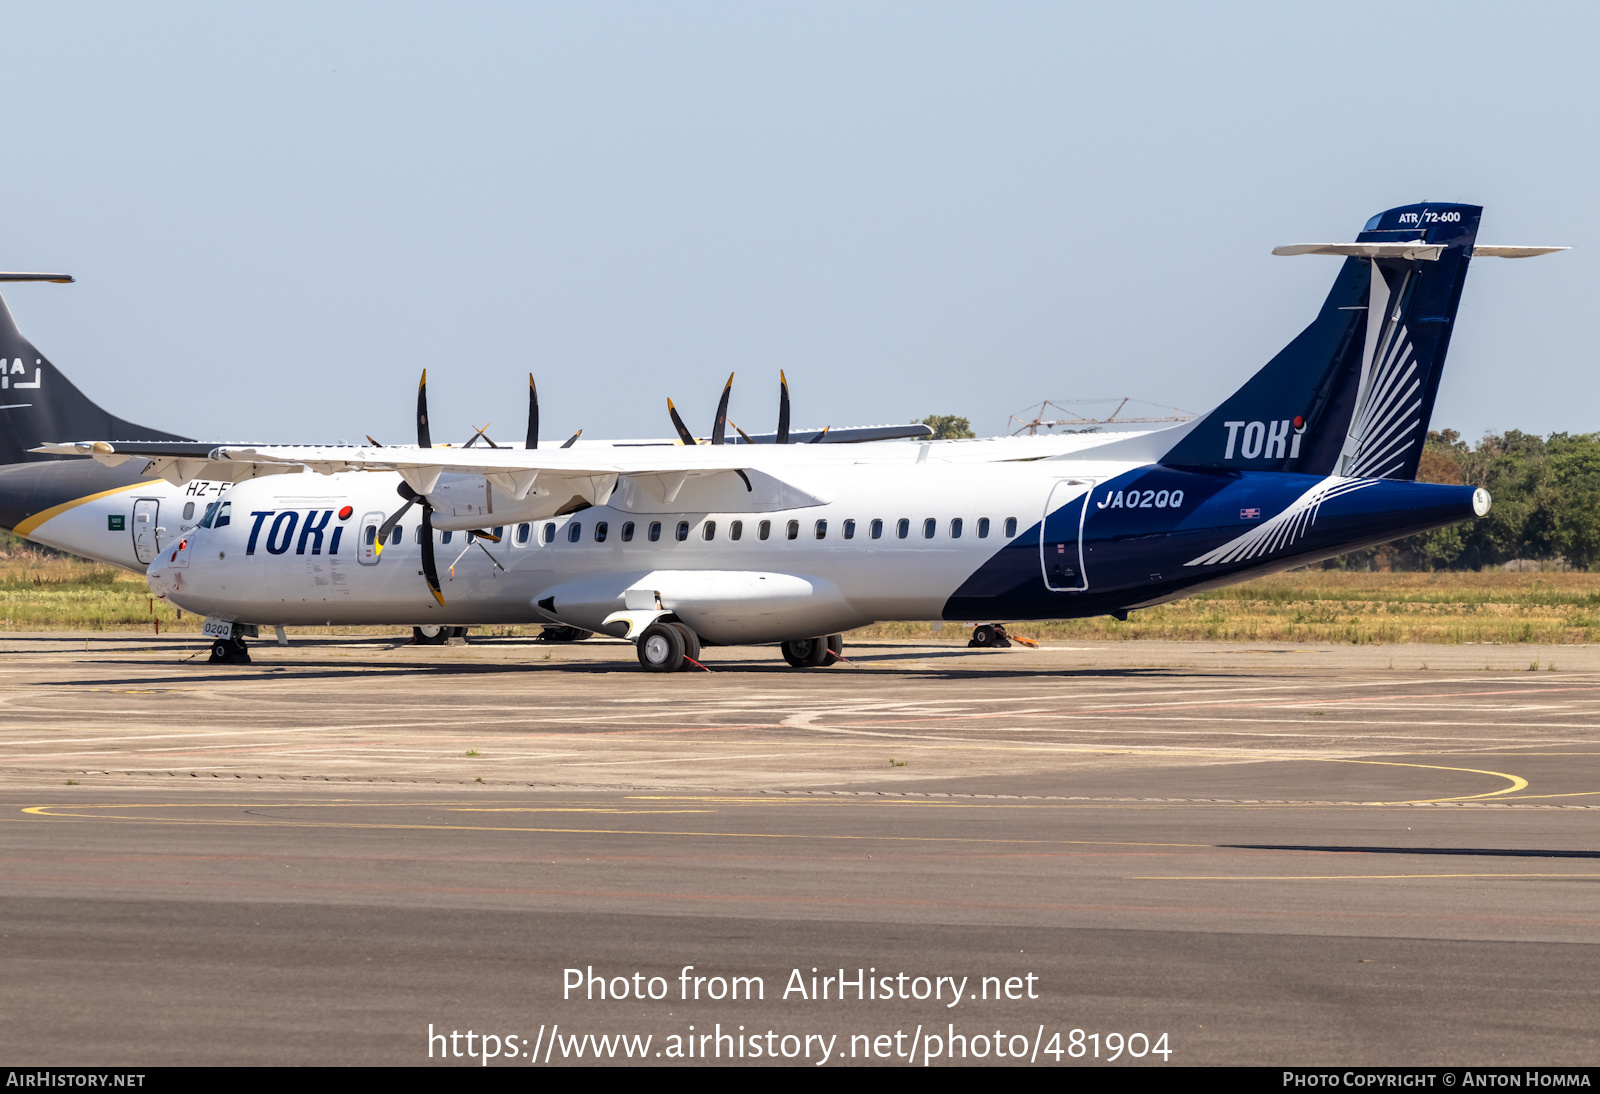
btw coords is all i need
(512, 470)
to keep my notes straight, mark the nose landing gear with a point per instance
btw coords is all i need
(436, 636)
(229, 651)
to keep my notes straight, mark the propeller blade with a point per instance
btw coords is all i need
(533, 414)
(388, 526)
(484, 434)
(570, 441)
(424, 438)
(677, 423)
(430, 571)
(783, 408)
(373, 443)
(741, 432)
(719, 428)
(490, 536)
(818, 438)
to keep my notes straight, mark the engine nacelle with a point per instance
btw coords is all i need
(464, 502)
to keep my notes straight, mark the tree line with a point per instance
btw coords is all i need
(1546, 504)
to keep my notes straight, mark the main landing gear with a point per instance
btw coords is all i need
(668, 647)
(673, 647)
(229, 651)
(812, 653)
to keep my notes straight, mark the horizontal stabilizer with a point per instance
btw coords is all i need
(1429, 252)
(1498, 251)
(1416, 249)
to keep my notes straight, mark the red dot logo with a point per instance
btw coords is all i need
(344, 514)
(1299, 422)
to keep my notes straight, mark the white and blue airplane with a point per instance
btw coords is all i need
(675, 547)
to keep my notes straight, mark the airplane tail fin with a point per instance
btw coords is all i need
(1353, 393)
(39, 405)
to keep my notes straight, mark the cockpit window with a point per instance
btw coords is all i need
(224, 515)
(211, 511)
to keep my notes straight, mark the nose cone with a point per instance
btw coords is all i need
(161, 577)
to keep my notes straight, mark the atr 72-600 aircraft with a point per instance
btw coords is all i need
(792, 544)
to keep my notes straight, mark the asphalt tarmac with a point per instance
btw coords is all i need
(1191, 853)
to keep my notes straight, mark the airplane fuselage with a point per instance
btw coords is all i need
(892, 534)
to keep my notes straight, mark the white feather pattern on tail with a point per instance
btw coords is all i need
(1284, 529)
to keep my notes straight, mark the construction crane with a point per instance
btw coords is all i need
(1032, 420)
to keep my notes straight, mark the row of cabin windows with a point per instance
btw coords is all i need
(708, 530)
(398, 534)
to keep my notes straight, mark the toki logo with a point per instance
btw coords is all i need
(280, 534)
(1265, 440)
(6, 374)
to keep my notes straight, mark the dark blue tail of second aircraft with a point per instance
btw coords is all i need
(1353, 394)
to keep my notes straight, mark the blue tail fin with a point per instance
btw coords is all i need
(1353, 394)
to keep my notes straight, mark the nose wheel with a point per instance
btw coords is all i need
(229, 651)
(435, 636)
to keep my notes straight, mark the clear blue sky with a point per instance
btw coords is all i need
(280, 213)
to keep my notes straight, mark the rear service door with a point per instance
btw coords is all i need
(1061, 540)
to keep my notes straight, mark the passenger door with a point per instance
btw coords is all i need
(146, 544)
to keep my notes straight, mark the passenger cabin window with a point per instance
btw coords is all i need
(627, 531)
(417, 539)
(1011, 527)
(394, 536)
(764, 529)
(877, 529)
(983, 527)
(736, 529)
(574, 530)
(849, 529)
(902, 529)
(448, 536)
(683, 530)
(500, 533)
(709, 532)
(372, 534)
(188, 510)
(600, 530)
(524, 533)
(794, 529)
(955, 528)
(822, 529)
(929, 526)
(655, 530)
(549, 533)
